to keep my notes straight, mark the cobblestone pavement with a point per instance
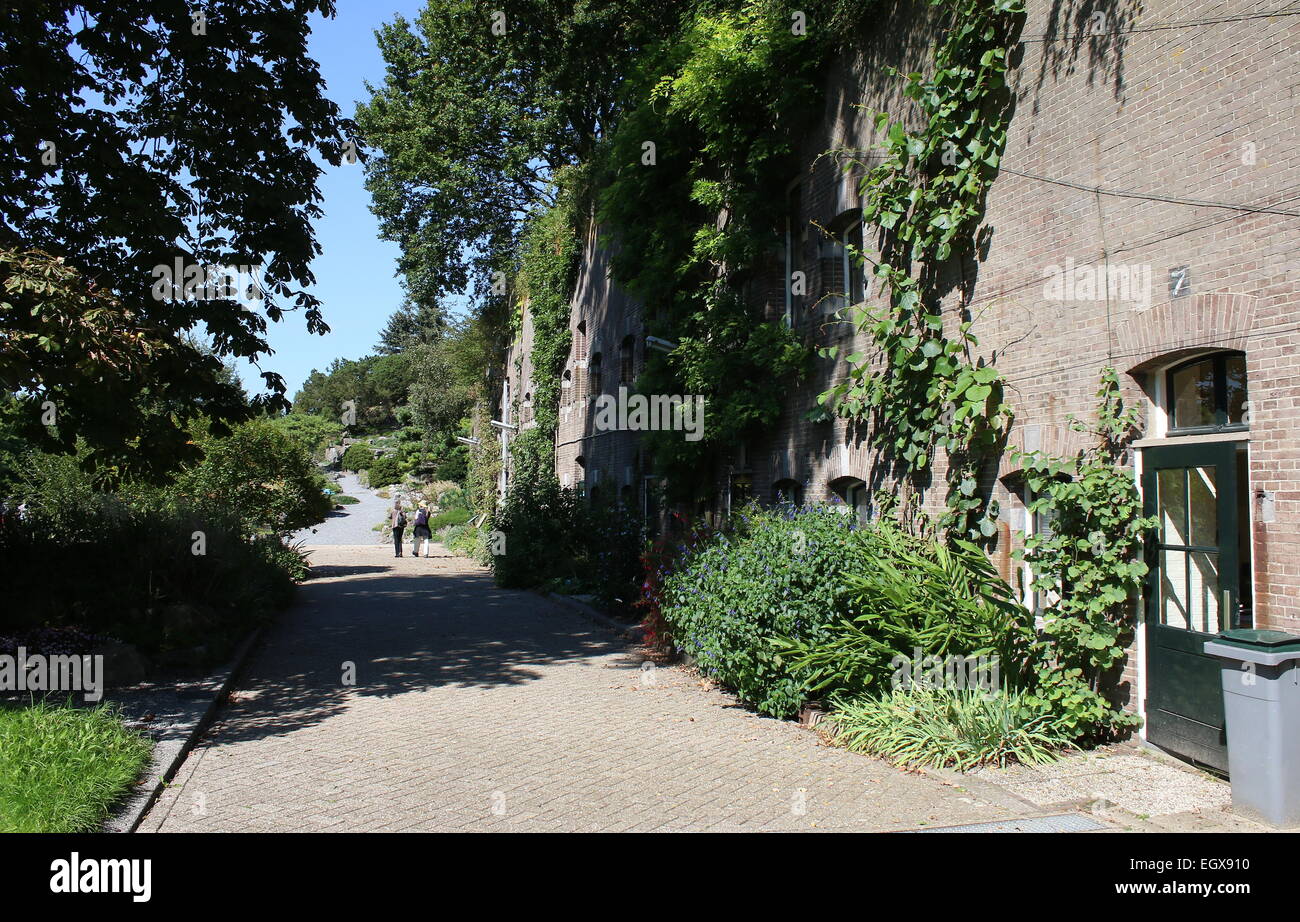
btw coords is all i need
(477, 708)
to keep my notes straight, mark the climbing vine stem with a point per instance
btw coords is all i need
(1088, 565)
(921, 387)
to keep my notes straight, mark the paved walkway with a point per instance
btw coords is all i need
(477, 708)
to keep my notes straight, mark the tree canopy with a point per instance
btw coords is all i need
(480, 105)
(371, 387)
(136, 135)
(411, 325)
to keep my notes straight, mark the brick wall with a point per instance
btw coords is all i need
(1157, 108)
(608, 462)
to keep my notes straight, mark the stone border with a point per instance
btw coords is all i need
(995, 793)
(168, 755)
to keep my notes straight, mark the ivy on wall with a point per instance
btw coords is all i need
(694, 185)
(484, 461)
(548, 263)
(921, 387)
(1090, 563)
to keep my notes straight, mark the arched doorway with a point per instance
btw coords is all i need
(1195, 482)
(787, 492)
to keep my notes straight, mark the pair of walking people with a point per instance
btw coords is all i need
(421, 533)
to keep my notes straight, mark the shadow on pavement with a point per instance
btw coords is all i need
(402, 633)
(333, 571)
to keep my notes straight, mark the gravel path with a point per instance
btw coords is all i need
(351, 524)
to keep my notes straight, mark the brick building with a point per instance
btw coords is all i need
(1146, 216)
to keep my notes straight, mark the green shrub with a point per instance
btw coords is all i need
(57, 486)
(437, 488)
(357, 457)
(778, 574)
(344, 500)
(259, 474)
(467, 541)
(937, 727)
(183, 571)
(540, 521)
(312, 432)
(452, 466)
(384, 471)
(147, 569)
(63, 768)
(909, 594)
(450, 497)
(552, 533)
(796, 603)
(449, 517)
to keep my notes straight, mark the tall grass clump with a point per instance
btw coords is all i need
(62, 768)
(917, 727)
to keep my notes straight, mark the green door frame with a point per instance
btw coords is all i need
(1184, 699)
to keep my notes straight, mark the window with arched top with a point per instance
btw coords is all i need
(566, 389)
(844, 278)
(852, 492)
(1207, 394)
(787, 492)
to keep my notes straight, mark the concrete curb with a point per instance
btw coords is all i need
(630, 632)
(993, 792)
(169, 755)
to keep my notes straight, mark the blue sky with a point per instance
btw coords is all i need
(355, 272)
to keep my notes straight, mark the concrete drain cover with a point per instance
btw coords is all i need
(1065, 822)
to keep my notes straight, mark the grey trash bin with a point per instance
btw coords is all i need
(1261, 703)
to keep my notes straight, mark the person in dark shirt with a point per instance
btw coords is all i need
(398, 521)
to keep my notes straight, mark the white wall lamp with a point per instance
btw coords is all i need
(661, 345)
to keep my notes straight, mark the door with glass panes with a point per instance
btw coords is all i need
(1193, 592)
(1200, 579)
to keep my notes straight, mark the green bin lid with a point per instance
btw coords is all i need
(1255, 637)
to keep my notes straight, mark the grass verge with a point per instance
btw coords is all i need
(62, 768)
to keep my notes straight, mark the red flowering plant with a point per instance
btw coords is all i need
(659, 559)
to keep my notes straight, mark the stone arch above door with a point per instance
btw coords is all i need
(1215, 320)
